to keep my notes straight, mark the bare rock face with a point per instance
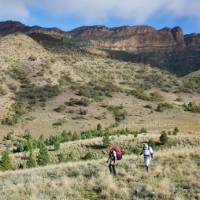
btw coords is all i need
(11, 27)
(8, 27)
(167, 48)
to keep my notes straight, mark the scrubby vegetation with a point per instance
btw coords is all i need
(68, 181)
(163, 106)
(192, 107)
(118, 112)
(80, 102)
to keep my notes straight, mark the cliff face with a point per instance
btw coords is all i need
(8, 27)
(168, 48)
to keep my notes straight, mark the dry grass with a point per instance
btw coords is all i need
(90, 179)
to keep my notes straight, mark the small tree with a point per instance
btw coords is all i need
(43, 156)
(164, 138)
(99, 127)
(106, 140)
(175, 131)
(31, 161)
(6, 162)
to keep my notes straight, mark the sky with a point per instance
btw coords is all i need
(69, 14)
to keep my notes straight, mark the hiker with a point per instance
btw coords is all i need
(147, 152)
(114, 155)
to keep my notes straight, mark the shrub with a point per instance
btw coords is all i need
(118, 112)
(8, 136)
(57, 123)
(99, 127)
(163, 106)
(80, 102)
(68, 158)
(9, 120)
(156, 96)
(97, 91)
(175, 131)
(32, 58)
(82, 111)
(31, 161)
(60, 108)
(2, 91)
(143, 130)
(6, 162)
(43, 155)
(136, 150)
(164, 138)
(106, 140)
(89, 156)
(192, 107)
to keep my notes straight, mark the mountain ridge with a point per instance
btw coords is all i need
(166, 48)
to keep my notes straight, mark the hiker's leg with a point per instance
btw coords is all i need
(114, 170)
(147, 162)
(110, 168)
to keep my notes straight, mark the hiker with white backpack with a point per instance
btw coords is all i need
(147, 153)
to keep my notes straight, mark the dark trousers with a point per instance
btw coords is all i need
(112, 169)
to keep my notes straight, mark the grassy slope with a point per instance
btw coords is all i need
(174, 175)
(80, 68)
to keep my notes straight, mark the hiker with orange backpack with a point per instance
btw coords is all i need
(115, 154)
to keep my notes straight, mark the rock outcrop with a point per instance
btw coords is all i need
(168, 48)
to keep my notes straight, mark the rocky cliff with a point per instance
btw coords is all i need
(168, 48)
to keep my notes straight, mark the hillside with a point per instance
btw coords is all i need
(167, 48)
(49, 86)
(174, 173)
(65, 96)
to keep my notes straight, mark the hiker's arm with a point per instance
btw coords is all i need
(115, 155)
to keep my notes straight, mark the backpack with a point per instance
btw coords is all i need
(119, 152)
(147, 151)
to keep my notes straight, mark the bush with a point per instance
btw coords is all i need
(17, 109)
(192, 107)
(164, 138)
(99, 127)
(89, 156)
(2, 91)
(32, 58)
(31, 161)
(6, 162)
(97, 91)
(80, 102)
(118, 112)
(175, 131)
(60, 108)
(43, 155)
(82, 111)
(143, 130)
(68, 158)
(10, 120)
(136, 150)
(106, 140)
(163, 106)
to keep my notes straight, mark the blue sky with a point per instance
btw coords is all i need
(69, 14)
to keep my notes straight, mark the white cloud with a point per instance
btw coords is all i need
(136, 11)
(13, 9)
(139, 11)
